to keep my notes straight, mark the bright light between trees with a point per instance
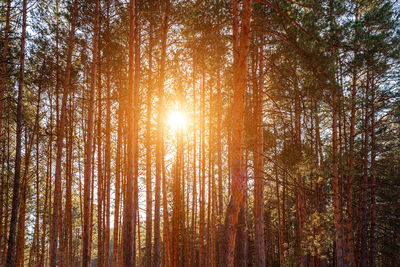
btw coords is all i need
(177, 120)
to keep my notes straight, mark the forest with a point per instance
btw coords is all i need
(199, 133)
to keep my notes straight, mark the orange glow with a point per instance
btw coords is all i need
(177, 119)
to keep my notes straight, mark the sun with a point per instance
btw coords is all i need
(177, 120)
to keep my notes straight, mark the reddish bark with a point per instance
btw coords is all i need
(240, 50)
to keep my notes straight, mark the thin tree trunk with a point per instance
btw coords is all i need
(258, 169)
(203, 172)
(219, 161)
(149, 197)
(17, 170)
(336, 190)
(60, 141)
(22, 208)
(160, 175)
(89, 146)
(364, 221)
(3, 258)
(136, 117)
(3, 78)
(194, 188)
(372, 261)
(117, 181)
(35, 241)
(129, 205)
(349, 218)
(166, 228)
(107, 153)
(177, 204)
(46, 214)
(100, 182)
(68, 259)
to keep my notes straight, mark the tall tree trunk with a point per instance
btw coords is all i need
(28, 149)
(336, 190)
(136, 117)
(100, 182)
(364, 220)
(176, 203)
(258, 168)
(36, 235)
(91, 200)
(17, 170)
(240, 50)
(68, 257)
(22, 208)
(117, 180)
(46, 217)
(166, 228)
(21, 224)
(89, 146)
(280, 226)
(219, 160)
(202, 258)
(5, 241)
(210, 201)
(107, 153)
(60, 142)
(3, 77)
(300, 196)
(349, 219)
(372, 261)
(194, 188)
(149, 197)
(241, 244)
(129, 205)
(160, 175)
(3, 197)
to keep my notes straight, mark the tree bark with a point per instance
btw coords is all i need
(159, 145)
(258, 168)
(372, 253)
(4, 63)
(17, 170)
(100, 182)
(60, 144)
(149, 197)
(89, 146)
(364, 221)
(116, 249)
(129, 205)
(349, 218)
(336, 190)
(107, 153)
(240, 50)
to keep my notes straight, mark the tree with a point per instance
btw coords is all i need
(241, 29)
(89, 143)
(11, 260)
